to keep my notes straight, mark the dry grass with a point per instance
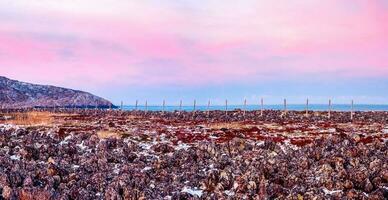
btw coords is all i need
(109, 134)
(231, 125)
(31, 118)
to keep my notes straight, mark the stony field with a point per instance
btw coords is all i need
(96, 154)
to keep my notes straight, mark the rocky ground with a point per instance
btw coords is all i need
(217, 155)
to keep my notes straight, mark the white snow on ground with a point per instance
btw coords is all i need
(146, 169)
(8, 127)
(288, 144)
(149, 154)
(82, 146)
(385, 130)
(331, 130)
(213, 137)
(330, 192)
(145, 146)
(75, 166)
(283, 148)
(182, 146)
(15, 157)
(259, 143)
(7, 117)
(116, 169)
(229, 193)
(66, 139)
(163, 138)
(38, 145)
(193, 192)
(209, 168)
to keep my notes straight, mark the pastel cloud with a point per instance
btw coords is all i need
(119, 42)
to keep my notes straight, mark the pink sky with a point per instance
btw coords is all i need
(100, 43)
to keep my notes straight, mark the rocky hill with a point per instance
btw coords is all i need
(16, 94)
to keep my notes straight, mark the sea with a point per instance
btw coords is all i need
(295, 107)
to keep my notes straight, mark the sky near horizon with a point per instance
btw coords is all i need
(125, 50)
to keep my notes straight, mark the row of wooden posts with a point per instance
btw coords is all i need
(244, 108)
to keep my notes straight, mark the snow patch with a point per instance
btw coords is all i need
(293, 147)
(145, 146)
(15, 157)
(365, 194)
(82, 146)
(9, 127)
(182, 146)
(116, 169)
(66, 140)
(146, 169)
(6, 117)
(213, 137)
(229, 193)
(283, 148)
(75, 166)
(38, 145)
(331, 130)
(330, 192)
(260, 143)
(194, 192)
(163, 138)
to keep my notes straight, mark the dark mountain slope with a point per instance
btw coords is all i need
(16, 94)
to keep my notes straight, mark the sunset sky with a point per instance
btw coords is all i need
(203, 49)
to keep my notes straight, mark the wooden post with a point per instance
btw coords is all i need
(329, 114)
(195, 102)
(180, 106)
(351, 111)
(208, 108)
(285, 106)
(164, 104)
(146, 106)
(136, 105)
(262, 107)
(307, 107)
(121, 106)
(226, 107)
(245, 107)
